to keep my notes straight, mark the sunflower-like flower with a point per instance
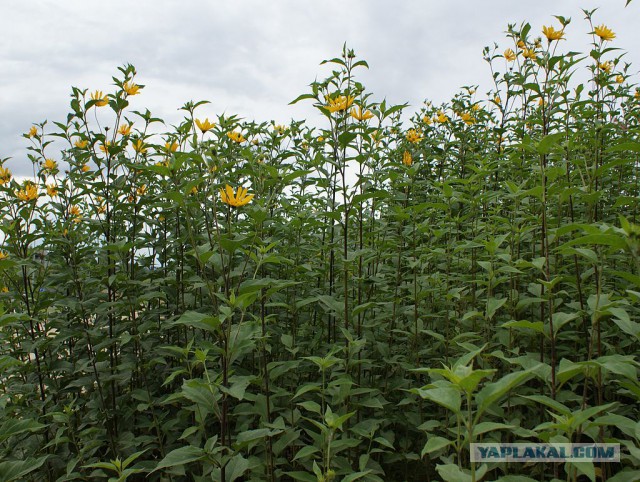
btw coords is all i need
(52, 190)
(32, 132)
(236, 136)
(3, 255)
(5, 176)
(81, 144)
(529, 54)
(359, 115)
(467, 118)
(240, 198)
(138, 146)
(171, 146)
(85, 168)
(604, 32)
(497, 100)
(441, 117)
(28, 193)
(141, 190)
(413, 136)
(406, 158)
(619, 79)
(509, 55)
(100, 98)
(339, 103)
(205, 125)
(606, 66)
(279, 129)
(552, 34)
(130, 88)
(427, 120)
(49, 165)
(75, 213)
(105, 147)
(125, 129)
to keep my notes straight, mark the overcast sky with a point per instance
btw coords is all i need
(252, 57)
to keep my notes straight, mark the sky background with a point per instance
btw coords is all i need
(253, 57)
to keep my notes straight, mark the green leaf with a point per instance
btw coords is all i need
(236, 467)
(14, 426)
(202, 321)
(492, 392)
(493, 304)
(305, 452)
(11, 470)
(548, 142)
(453, 473)
(434, 444)
(448, 397)
(181, 456)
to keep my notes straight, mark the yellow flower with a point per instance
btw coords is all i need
(619, 79)
(605, 66)
(236, 200)
(521, 44)
(49, 165)
(32, 132)
(475, 107)
(604, 32)
(279, 129)
(637, 95)
(171, 147)
(85, 168)
(497, 99)
(357, 114)
(205, 125)
(105, 147)
(339, 103)
(3, 255)
(529, 54)
(80, 144)
(255, 141)
(427, 120)
(320, 138)
(5, 289)
(28, 193)
(442, 117)
(467, 118)
(100, 98)
(141, 190)
(130, 88)
(125, 129)
(102, 209)
(194, 190)
(5, 176)
(75, 213)
(540, 101)
(413, 136)
(236, 136)
(139, 146)
(52, 190)
(406, 158)
(472, 91)
(510, 55)
(552, 34)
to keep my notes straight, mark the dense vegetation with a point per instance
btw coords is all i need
(382, 296)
